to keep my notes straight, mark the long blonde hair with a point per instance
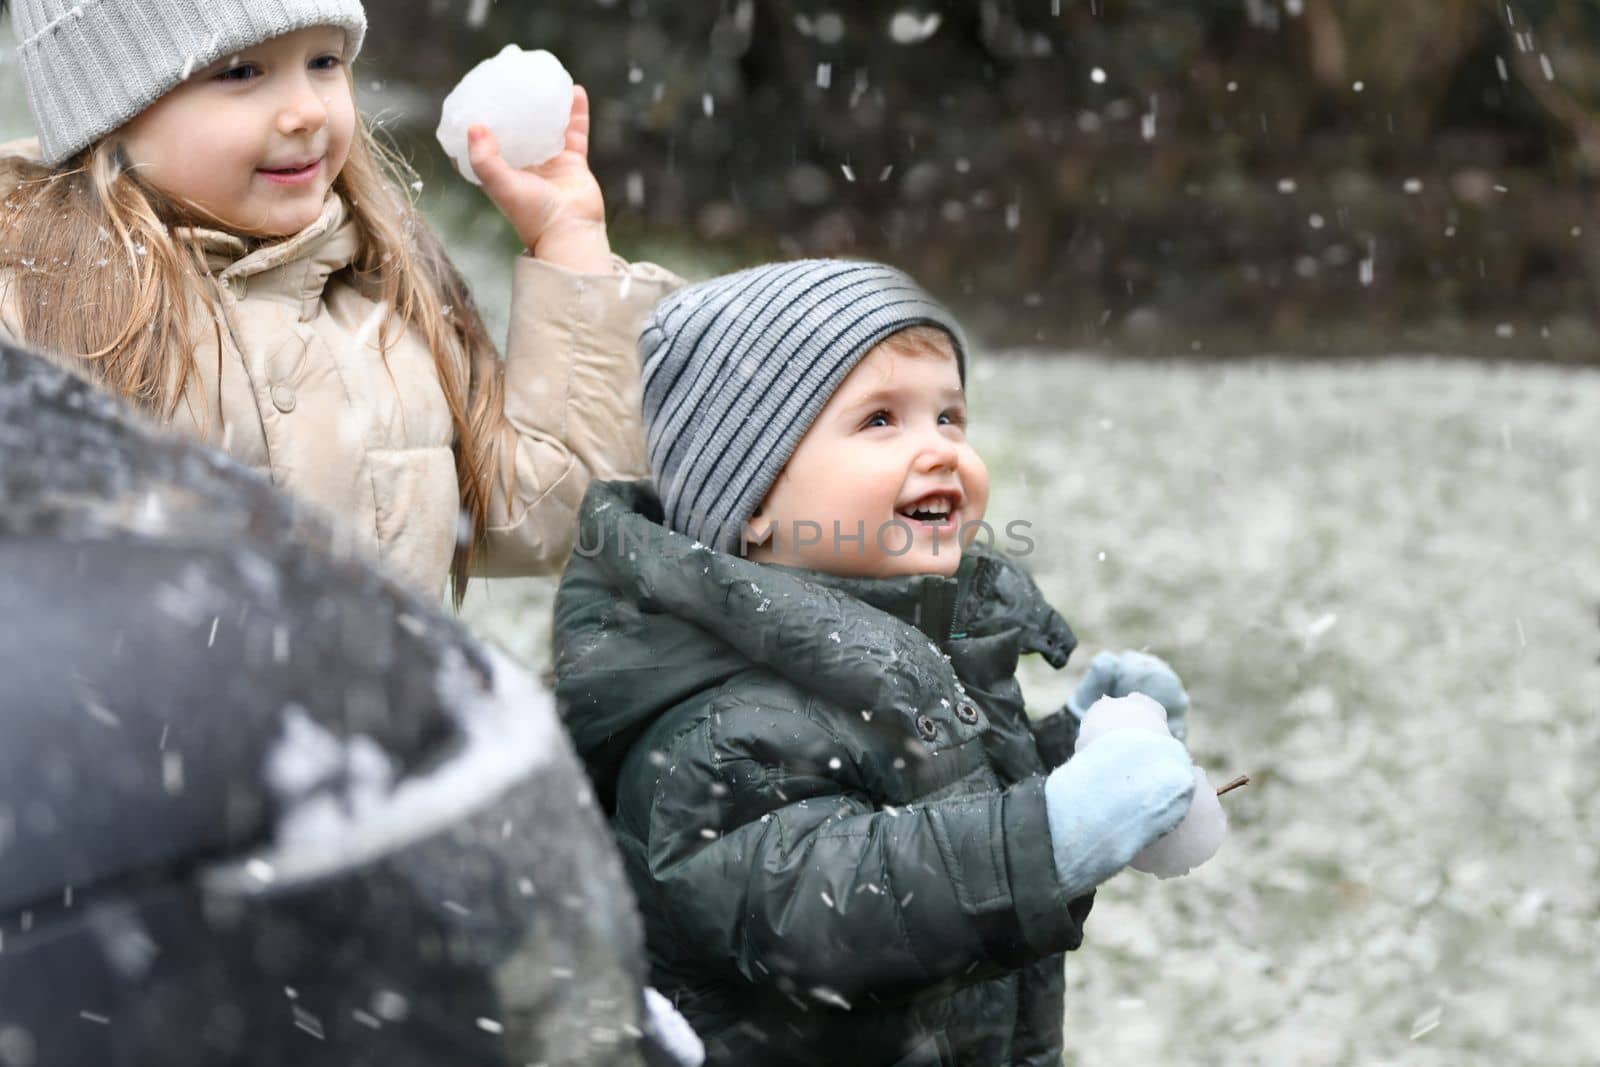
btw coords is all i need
(101, 277)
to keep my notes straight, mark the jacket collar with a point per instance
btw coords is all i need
(820, 636)
(297, 267)
(929, 602)
(988, 593)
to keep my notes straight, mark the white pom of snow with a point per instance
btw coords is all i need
(524, 97)
(673, 1030)
(1195, 840)
(1132, 712)
(911, 27)
(344, 804)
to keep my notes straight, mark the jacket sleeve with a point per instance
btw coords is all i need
(571, 405)
(821, 894)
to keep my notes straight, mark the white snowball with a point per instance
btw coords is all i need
(524, 97)
(1132, 712)
(1195, 840)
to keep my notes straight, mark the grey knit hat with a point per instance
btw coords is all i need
(91, 65)
(737, 368)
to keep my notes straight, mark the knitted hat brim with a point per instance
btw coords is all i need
(102, 63)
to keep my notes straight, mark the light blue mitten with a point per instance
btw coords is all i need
(1111, 800)
(1118, 674)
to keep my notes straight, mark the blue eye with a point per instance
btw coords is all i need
(877, 418)
(953, 417)
(243, 72)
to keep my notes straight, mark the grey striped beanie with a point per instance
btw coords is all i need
(737, 368)
(91, 65)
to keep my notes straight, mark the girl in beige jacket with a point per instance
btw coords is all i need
(214, 234)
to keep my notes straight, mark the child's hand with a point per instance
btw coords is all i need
(1111, 801)
(557, 207)
(1133, 672)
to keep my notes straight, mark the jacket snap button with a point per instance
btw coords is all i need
(927, 728)
(967, 712)
(283, 398)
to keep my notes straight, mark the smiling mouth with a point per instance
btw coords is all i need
(291, 175)
(936, 510)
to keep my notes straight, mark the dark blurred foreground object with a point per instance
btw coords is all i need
(258, 805)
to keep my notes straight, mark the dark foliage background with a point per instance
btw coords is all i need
(1216, 176)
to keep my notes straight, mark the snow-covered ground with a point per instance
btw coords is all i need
(1381, 583)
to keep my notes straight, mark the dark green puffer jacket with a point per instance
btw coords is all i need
(827, 792)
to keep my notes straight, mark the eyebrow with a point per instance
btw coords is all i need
(883, 395)
(320, 36)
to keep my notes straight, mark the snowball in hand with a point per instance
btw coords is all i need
(1194, 840)
(524, 97)
(1132, 712)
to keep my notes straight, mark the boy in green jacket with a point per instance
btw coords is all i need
(792, 677)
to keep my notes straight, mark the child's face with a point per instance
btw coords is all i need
(255, 141)
(887, 453)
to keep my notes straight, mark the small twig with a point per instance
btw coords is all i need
(1242, 780)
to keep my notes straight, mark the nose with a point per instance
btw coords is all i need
(303, 109)
(936, 452)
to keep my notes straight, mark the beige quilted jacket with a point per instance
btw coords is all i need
(300, 392)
